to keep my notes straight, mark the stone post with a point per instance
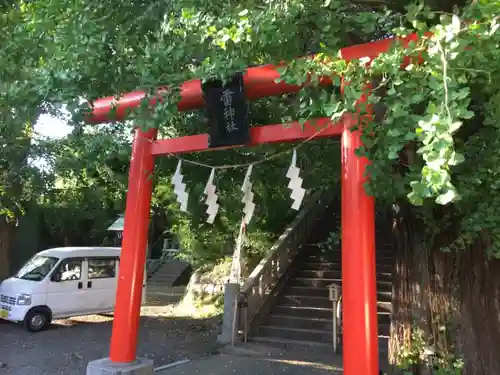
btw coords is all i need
(231, 291)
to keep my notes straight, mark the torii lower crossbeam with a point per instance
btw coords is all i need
(358, 250)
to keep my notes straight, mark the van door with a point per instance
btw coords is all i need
(143, 293)
(65, 291)
(102, 282)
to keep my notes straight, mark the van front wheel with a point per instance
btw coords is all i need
(36, 320)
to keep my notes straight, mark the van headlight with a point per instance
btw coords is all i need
(23, 299)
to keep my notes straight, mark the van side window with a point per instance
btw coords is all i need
(68, 269)
(101, 268)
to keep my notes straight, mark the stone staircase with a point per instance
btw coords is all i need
(170, 272)
(167, 282)
(302, 312)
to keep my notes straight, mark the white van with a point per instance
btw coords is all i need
(61, 283)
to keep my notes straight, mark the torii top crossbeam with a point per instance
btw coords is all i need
(259, 82)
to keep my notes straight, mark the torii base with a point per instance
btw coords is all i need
(104, 366)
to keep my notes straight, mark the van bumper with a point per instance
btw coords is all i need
(14, 313)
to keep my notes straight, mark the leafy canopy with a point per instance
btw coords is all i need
(435, 144)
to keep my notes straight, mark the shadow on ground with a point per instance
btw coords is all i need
(255, 359)
(68, 345)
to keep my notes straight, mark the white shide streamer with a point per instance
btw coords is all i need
(247, 200)
(295, 183)
(211, 201)
(180, 187)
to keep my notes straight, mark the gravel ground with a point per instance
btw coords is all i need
(68, 345)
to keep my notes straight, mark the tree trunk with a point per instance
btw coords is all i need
(5, 236)
(410, 308)
(478, 318)
(452, 300)
(401, 314)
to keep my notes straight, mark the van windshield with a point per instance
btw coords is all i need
(37, 268)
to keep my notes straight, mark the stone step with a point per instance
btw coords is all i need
(322, 283)
(167, 272)
(300, 321)
(311, 265)
(383, 316)
(322, 302)
(278, 342)
(171, 290)
(313, 312)
(164, 277)
(318, 249)
(303, 336)
(277, 320)
(381, 245)
(384, 296)
(333, 274)
(161, 282)
(296, 333)
(337, 257)
(326, 348)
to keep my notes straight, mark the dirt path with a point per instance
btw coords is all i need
(69, 345)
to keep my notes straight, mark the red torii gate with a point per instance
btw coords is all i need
(360, 340)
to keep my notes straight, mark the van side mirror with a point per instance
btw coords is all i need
(56, 277)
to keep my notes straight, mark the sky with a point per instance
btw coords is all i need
(49, 126)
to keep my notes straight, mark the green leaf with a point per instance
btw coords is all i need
(399, 111)
(415, 199)
(186, 13)
(456, 158)
(419, 188)
(394, 132)
(455, 126)
(467, 114)
(331, 108)
(410, 136)
(455, 23)
(449, 196)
